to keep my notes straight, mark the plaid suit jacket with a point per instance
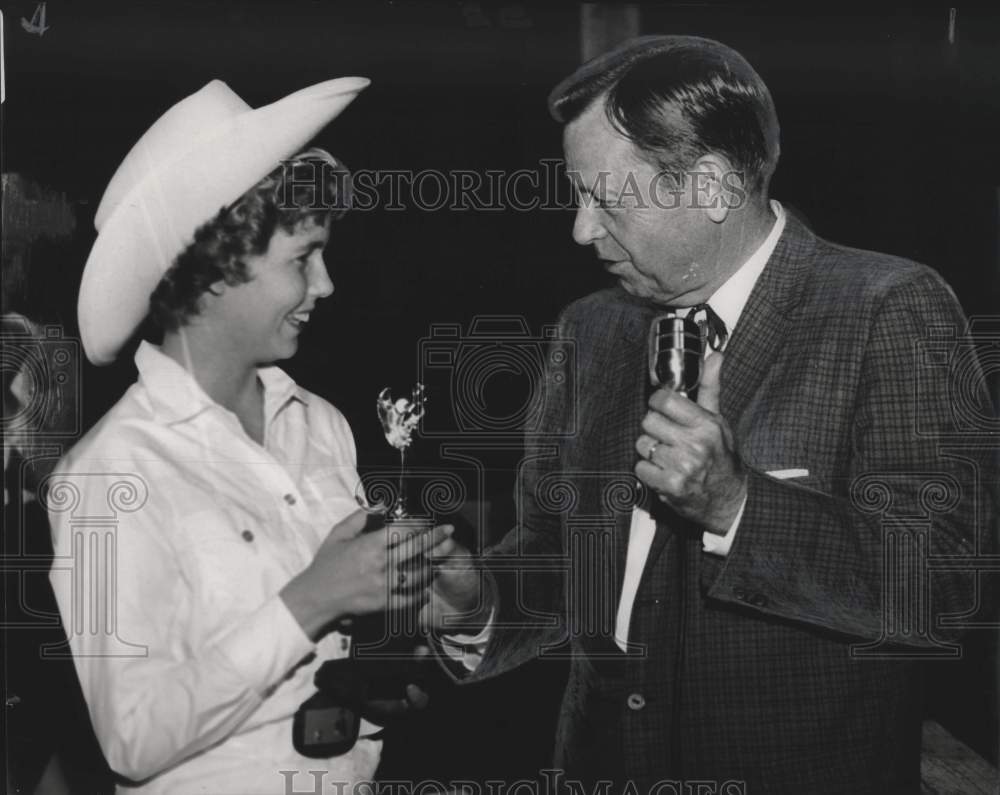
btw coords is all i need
(793, 664)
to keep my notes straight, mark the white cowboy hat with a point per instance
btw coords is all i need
(199, 156)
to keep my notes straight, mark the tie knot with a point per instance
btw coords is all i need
(713, 326)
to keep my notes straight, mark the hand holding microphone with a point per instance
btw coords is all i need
(687, 452)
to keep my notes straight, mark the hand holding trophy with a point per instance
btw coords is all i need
(385, 676)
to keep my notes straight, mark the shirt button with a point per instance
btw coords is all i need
(740, 594)
(636, 701)
(247, 536)
(290, 499)
(758, 600)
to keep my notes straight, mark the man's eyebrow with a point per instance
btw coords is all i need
(583, 187)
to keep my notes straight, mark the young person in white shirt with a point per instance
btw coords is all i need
(226, 582)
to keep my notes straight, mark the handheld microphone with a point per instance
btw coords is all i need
(675, 348)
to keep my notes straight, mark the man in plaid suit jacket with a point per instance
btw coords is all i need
(745, 582)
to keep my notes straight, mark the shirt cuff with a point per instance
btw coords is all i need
(720, 545)
(266, 645)
(469, 649)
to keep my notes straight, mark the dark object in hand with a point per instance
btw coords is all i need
(327, 723)
(323, 728)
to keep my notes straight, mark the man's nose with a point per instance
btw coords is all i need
(587, 226)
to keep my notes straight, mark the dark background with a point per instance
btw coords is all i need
(889, 142)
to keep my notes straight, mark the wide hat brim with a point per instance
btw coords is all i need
(166, 188)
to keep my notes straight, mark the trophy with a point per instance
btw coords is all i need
(399, 420)
(382, 661)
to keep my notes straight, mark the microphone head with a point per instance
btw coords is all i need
(675, 350)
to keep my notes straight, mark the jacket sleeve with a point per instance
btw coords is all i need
(871, 559)
(526, 570)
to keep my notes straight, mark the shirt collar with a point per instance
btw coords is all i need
(177, 396)
(279, 388)
(730, 299)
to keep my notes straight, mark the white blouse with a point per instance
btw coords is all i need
(173, 534)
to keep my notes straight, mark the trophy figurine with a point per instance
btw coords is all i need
(399, 420)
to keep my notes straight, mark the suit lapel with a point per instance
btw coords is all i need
(765, 321)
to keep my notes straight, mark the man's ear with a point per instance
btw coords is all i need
(709, 178)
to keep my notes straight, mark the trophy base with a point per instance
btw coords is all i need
(404, 522)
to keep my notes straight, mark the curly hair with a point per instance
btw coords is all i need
(311, 186)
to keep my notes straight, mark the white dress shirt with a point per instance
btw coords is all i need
(191, 664)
